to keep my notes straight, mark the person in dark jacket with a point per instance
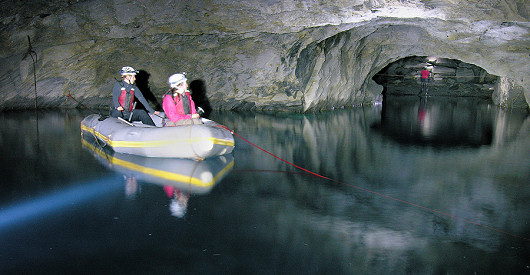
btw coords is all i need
(123, 94)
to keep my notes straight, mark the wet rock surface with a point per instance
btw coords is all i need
(260, 55)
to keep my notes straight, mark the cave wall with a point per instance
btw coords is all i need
(252, 54)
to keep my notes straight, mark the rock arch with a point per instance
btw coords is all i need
(342, 66)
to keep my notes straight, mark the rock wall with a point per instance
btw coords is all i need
(252, 54)
(509, 94)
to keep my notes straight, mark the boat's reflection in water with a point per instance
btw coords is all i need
(179, 178)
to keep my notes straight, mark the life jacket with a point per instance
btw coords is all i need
(185, 99)
(126, 98)
(182, 103)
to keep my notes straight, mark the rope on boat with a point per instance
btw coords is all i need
(380, 194)
(199, 158)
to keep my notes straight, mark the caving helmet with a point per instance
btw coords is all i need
(177, 209)
(128, 71)
(176, 79)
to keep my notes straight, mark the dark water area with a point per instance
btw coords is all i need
(416, 186)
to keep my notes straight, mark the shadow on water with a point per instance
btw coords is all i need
(265, 216)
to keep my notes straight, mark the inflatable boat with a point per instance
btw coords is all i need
(199, 141)
(191, 176)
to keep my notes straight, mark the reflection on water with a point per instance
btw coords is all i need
(459, 169)
(179, 177)
(438, 121)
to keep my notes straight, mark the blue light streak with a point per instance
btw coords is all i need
(47, 204)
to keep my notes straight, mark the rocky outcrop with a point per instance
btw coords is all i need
(264, 55)
(509, 94)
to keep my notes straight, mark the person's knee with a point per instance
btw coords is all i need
(141, 113)
(144, 117)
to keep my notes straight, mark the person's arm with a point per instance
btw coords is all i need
(138, 94)
(116, 91)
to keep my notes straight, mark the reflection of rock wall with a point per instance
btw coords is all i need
(485, 184)
(35, 150)
(283, 55)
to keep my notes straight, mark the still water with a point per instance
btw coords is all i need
(416, 186)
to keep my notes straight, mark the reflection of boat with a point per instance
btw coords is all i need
(195, 177)
(187, 141)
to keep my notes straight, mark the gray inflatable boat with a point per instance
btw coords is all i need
(198, 141)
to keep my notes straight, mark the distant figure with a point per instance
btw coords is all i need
(425, 75)
(123, 94)
(178, 104)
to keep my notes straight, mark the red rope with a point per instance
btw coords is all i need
(379, 194)
(292, 164)
(70, 96)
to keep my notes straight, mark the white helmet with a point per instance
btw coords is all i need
(176, 79)
(177, 208)
(128, 71)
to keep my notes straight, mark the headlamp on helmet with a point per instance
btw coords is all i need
(128, 71)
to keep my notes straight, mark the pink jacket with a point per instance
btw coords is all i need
(174, 109)
(425, 74)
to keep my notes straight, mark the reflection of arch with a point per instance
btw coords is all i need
(142, 81)
(198, 93)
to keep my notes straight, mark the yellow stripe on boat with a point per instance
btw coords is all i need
(160, 143)
(155, 143)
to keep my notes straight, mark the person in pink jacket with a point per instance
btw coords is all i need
(177, 103)
(426, 76)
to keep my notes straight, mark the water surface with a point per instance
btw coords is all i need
(416, 186)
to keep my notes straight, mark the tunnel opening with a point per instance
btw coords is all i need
(448, 77)
(455, 112)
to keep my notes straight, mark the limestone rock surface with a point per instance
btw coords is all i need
(284, 55)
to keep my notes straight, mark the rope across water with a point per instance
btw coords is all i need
(380, 194)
